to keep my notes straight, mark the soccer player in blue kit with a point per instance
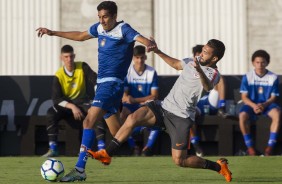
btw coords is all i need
(259, 91)
(116, 41)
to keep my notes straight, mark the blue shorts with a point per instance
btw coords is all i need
(205, 101)
(253, 117)
(131, 107)
(108, 97)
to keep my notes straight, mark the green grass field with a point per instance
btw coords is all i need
(26, 170)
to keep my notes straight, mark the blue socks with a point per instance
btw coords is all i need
(101, 144)
(131, 142)
(195, 139)
(271, 142)
(221, 104)
(53, 146)
(152, 138)
(272, 139)
(248, 140)
(86, 143)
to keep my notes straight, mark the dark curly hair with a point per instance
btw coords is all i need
(261, 53)
(218, 46)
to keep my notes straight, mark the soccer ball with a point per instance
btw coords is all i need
(52, 170)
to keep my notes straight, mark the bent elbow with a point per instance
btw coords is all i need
(177, 67)
(80, 39)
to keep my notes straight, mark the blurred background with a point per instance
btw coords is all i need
(177, 25)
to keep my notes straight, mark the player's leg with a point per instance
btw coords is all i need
(78, 173)
(123, 115)
(54, 115)
(194, 137)
(114, 123)
(148, 149)
(195, 140)
(142, 117)
(181, 159)
(94, 114)
(178, 129)
(100, 128)
(244, 116)
(273, 111)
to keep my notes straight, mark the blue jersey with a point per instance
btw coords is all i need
(259, 89)
(115, 50)
(141, 85)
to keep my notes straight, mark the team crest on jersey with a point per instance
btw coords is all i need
(196, 75)
(73, 85)
(140, 88)
(103, 42)
(260, 90)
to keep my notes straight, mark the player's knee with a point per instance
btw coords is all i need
(87, 124)
(243, 116)
(178, 161)
(130, 121)
(276, 113)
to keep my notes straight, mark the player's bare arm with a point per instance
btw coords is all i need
(174, 63)
(150, 45)
(269, 101)
(71, 35)
(207, 85)
(152, 96)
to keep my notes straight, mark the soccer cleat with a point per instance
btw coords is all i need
(251, 151)
(74, 175)
(198, 150)
(147, 151)
(199, 154)
(221, 113)
(224, 171)
(268, 151)
(51, 153)
(100, 155)
(136, 151)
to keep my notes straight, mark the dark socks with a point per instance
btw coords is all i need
(112, 147)
(212, 166)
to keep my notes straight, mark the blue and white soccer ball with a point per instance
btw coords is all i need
(52, 170)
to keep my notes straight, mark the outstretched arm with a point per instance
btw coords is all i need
(174, 63)
(71, 35)
(145, 41)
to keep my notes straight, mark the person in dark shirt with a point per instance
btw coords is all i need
(72, 92)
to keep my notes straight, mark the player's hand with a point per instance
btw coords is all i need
(128, 99)
(258, 109)
(153, 46)
(42, 31)
(196, 63)
(77, 114)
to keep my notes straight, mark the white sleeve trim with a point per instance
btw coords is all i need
(63, 103)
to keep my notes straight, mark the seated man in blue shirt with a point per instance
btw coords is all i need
(259, 90)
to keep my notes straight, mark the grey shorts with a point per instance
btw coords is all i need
(177, 127)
